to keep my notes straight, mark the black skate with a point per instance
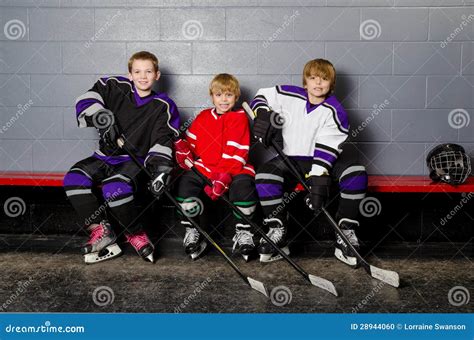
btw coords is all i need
(142, 245)
(243, 240)
(342, 251)
(193, 243)
(101, 245)
(277, 233)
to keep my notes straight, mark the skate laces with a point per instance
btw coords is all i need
(242, 237)
(350, 235)
(275, 234)
(192, 236)
(97, 233)
(139, 240)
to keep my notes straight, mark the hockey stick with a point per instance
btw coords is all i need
(313, 279)
(254, 284)
(388, 276)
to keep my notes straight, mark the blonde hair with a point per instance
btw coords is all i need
(143, 55)
(322, 68)
(225, 82)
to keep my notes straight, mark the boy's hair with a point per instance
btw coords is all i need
(322, 68)
(143, 55)
(225, 82)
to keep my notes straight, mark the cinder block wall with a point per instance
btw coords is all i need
(405, 67)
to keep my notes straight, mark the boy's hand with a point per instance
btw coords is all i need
(159, 183)
(265, 127)
(110, 135)
(184, 156)
(220, 185)
(319, 191)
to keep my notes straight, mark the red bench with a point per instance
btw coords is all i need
(377, 183)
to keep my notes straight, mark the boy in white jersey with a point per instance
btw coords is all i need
(312, 125)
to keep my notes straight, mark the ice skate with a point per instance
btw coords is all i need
(142, 245)
(342, 251)
(276, 233)
(243, 240)
(101, 245)
(193, 243)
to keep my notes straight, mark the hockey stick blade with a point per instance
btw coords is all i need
(258, 286)
(323, 284)
(387, 276)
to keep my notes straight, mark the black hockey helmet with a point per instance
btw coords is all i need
(449, 163)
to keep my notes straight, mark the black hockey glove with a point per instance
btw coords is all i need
(266, 127)
(319, 191)
(110, 135)
(160, 180)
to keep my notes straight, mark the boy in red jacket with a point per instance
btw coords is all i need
(217, 143)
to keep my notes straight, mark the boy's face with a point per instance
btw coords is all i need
(317, 87)
(224, 101)
(143, 75)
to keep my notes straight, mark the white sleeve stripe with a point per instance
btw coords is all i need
(237, 145)
(90, 95)
(161, 149)
(237, 158)
(191, 135)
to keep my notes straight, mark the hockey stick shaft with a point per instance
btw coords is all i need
(315, 280)
(122, 142)
(387, 276)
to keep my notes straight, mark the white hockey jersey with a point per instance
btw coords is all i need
(309, 131)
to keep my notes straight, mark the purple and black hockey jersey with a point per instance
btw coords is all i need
(149, 123)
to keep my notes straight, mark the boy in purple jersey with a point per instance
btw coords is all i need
(119, 106)
(313, 126)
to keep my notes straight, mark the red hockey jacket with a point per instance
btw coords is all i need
(220, 143)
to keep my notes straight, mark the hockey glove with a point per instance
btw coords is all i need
(267, 126)
(159, 183)
(184, 156)
(110, 135)
(319, 191)
(220, 184)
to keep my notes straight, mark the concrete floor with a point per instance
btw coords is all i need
(56, 280)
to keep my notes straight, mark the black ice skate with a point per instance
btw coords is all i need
(142, 245)
(101, 245)
(243, 240)
(342, 251)
(277, 233)
(193, 243)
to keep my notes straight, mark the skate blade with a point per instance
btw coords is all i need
(107, 253)
(265, 258)
(150, 258)
(349, 260)
(246, 258)
(202, 247)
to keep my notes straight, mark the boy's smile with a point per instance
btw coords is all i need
(143, 75)
(223, 101)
